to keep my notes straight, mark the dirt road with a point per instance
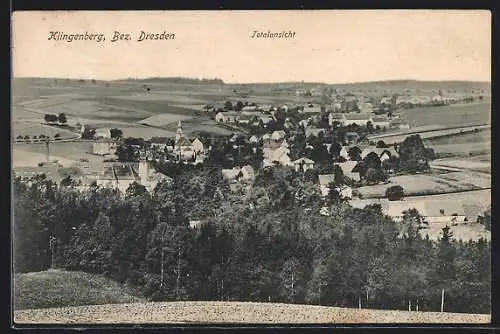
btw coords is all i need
(232, 312)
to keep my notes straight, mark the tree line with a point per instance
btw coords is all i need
(267, 242)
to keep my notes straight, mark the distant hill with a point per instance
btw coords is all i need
(59, 288)
(389, 85)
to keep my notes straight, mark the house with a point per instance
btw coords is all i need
(360, 119)
(381, 122)
(232, 174)
(352, 138)
(348, 169)
(365, 107)
(265, 119)
(247, 173)
(102, 133)
(244, 119)
(311, 109)
(278, 135)
(253, 139)
(198, 146)
(227, 117)
(281, 156)
(303, 164)
(305, 122)
(336, 117)
(398, 124)
(344, 152)
(324, 182)
(386, 100)
(310, 131)
(104, 146)
(250, 108)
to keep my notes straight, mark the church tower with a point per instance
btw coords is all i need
(179, 133)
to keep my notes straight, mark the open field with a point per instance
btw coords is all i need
(463, 231)
(25, 128)
(399, 136)
(21, 158)
(234, 312)
(461, 164)
(58, 288)
(163, 119)
(67, 153)
(451, 115)
(480, 136)
(422, 184)
(462, 150)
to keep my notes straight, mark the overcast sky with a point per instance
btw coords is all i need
(329, 46)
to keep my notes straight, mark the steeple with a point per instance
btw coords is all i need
(179, 131)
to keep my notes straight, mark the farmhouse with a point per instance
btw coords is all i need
(253, 139)
(399, 124)
(348, 169)
(386, 100)
(227, 117)
(105, 146)
(244, 119)
(247, 173)
(365, 107)
(336, 117)
(303, 164)
(102, 133)
(351, 138)
(381, 122)
(360, 119)
(324, 182)
(250, 108)
(311, 109)
(231, 174)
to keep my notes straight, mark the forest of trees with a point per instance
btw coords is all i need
(265, 243)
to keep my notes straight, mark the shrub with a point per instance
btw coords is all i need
(394, 193)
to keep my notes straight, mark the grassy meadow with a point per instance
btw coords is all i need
(59, 288)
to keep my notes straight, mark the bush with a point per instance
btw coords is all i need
(394, 193)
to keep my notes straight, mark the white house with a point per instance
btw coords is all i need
(198, 146)
(227, 117)
(347, 169)
(381, 122)
(104, 146)
(102, 133)
(360, 119)
(247, 173)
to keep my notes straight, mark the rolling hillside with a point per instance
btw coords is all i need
(58, 288)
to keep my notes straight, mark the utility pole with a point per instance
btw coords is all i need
(442, 300)
(51, 245)
(162, 258)
(178, 269)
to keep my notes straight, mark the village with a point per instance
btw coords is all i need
(332, 144)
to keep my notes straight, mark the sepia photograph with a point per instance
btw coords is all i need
(251, 167)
